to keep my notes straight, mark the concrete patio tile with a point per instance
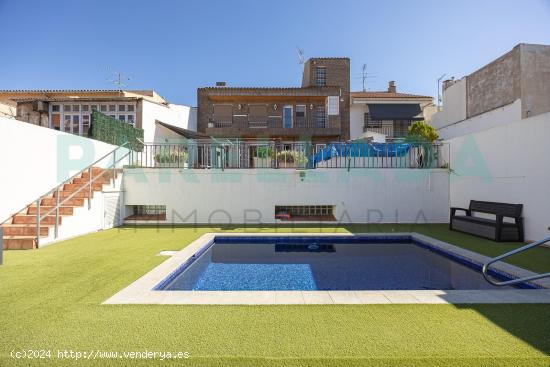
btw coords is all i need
(344, 297)
(317, 297)
(246, 298)
(429, 296)
(289, 298)
(372, 297)
(400, 297)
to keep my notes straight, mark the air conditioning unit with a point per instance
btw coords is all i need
(40, 106)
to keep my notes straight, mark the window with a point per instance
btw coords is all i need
(333, 104)
(301, 116)
(257, 115)
(371, 124)
(122, 107)
(287, 117)
(67, 108)
(76, 108)
(130, 108)
(149, 212)
(85, 122)
(85, 108)
(320, 76)
(112, 107)
(305, 212)
(223, 115)
(320, 119)
(67, 123)
(94, 107)
(122, 118)
(131, 119)
(103, 108)
(55, 108)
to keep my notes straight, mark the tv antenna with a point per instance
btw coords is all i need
(365, 75)
(301, 57)
(119, 79)
(439, 91)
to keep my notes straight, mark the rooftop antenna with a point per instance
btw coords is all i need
(119, 79)
(366, 75)
(439, 91)
(301, 57)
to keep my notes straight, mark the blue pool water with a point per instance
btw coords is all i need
(322, 264)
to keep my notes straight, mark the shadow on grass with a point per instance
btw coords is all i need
(528, 322)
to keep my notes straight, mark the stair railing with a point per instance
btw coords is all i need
(89, 185)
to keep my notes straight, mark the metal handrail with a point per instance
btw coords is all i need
(87, 185)
(64, 182)
(508, 254)
(56, 189)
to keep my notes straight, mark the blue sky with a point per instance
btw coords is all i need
(176, 46)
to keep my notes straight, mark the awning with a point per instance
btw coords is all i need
(188, 134)
(395, 111)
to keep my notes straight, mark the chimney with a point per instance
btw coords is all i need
(220, 84)
(391, 87)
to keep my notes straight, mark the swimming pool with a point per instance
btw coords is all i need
(326, 263)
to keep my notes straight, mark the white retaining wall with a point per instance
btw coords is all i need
(506, 163)
(249, 196)
(35, 159)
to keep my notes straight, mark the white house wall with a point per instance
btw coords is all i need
(36, 159)
(178, 115)
(249, 196)
(454, 106)
(507, 163)
(501, 116)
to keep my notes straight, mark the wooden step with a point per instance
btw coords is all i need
(84, 180)
(106, 175)
(96, 186)
(81, 194)
(63, 210)
(24, 230)
(31, 219)
(74, 202)
(19, 242)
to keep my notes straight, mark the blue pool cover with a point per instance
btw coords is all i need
(361, 150)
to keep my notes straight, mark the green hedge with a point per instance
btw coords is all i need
(113, 131)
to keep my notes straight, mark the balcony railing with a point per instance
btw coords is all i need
(301, 155)
(276, 122)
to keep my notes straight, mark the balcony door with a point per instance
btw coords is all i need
(287, 117)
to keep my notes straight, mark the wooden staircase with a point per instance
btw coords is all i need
(19, 232)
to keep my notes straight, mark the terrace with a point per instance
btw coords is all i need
(55, 301)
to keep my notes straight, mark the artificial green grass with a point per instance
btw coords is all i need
(51, 299)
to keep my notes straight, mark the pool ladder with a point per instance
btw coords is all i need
(510, 253)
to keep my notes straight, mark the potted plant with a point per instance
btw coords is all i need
(172, 159)
(291, 159)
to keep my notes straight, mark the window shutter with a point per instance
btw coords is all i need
(223, 113)
(257, 113)
(333, 105)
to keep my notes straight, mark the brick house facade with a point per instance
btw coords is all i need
(318, 110)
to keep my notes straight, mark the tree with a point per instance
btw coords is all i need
(421, 131)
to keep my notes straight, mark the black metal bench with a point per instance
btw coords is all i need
(495, 229)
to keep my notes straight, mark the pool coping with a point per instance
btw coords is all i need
(142, 291)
